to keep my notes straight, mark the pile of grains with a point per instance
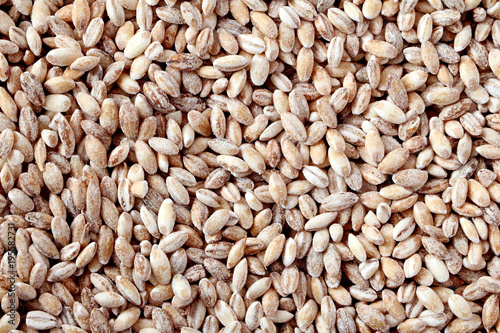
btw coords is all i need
(237, 166)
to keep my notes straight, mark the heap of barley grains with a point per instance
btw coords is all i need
(238, 166)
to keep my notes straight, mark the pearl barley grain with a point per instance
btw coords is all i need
(277, 166)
